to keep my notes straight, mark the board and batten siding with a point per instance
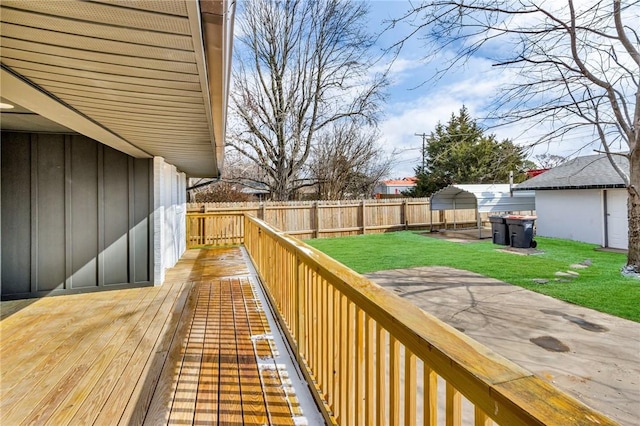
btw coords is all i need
(76, 216)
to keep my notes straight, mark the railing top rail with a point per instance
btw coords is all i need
(224, 213)
(505, 391)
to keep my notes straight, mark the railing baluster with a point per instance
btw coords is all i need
(332, 341)
(369, 403)
(480, 418)
(350, 359)
(343, 363)
(309, 314)
(335, 401)
(359, 367)
(381, 374)
(326, 337)
(313, 337)
(321, 332)
(409, 387)
(453, 406)
(300, 307)
(430, 396)
(394, 381)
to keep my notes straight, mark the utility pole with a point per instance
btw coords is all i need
(424, 147)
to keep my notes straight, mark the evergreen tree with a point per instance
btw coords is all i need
(459, 152)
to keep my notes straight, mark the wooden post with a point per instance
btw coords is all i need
(430, 218)
(454, 213)
(409, 387)
(263, 209)
(430, 396)
(453, 406)
(394, 381)
(363, 218)
(316, 219)
(404, 214)
(204, 232)
(300, 307)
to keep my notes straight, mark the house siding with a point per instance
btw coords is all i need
(170, 189)
(576, 214)
(75, 216)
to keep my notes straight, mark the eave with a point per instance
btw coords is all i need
(144, 77)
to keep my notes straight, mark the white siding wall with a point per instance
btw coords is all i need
(571, 214)
(169, 212)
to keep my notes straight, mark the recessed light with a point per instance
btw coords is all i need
(5, 106)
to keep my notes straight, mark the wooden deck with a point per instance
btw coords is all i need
(196, 350)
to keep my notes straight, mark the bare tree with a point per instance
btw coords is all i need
(347, 162)
(301, 66)
(549, 161)
(221, 192)
(577, 65)
(238, 173)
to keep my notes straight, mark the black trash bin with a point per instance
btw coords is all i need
(499, 230)
(521, 231)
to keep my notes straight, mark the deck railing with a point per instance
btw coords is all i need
(374, 358)
(214, 229)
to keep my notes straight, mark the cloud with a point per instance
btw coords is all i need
(418, 110)
(414, 109)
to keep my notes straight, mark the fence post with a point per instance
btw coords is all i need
(404, 214)
(364, 218)
(316, 219)
(263, 209)
(187, 231)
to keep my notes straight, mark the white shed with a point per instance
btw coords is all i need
(484, 198)
(584, 199)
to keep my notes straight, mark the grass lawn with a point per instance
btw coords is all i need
(600, 287)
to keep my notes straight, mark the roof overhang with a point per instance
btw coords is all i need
(148, 78)
(485, 198)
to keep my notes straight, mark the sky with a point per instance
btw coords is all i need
(415, 105)
(416, 102)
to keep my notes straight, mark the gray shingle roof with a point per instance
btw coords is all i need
(590, 171)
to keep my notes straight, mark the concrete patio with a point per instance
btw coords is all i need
(601, 366)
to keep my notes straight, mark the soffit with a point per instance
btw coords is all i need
(130, 74)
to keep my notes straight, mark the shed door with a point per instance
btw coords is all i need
(617, 223)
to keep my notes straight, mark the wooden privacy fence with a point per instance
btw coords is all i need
(319, 219)
(373, 358)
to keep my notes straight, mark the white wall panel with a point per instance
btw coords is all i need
(571, 214)
(169, 216)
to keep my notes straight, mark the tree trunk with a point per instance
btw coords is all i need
(633, 206)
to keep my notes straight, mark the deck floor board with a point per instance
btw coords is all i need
(195, 350)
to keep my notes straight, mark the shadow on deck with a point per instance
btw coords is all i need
(197, 350)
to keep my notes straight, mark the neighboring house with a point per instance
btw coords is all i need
(584, 199)
(106, 109)
(394, 186)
